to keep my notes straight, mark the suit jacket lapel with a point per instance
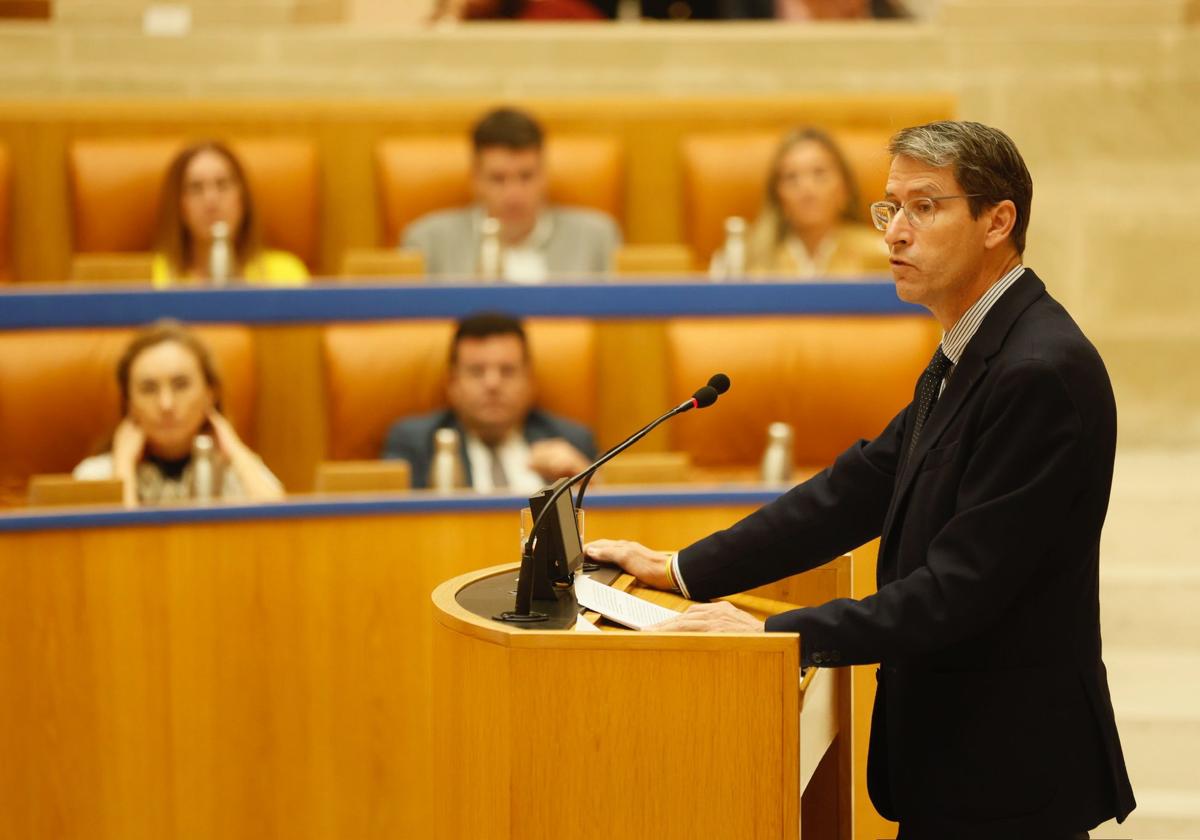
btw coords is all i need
(986, 342)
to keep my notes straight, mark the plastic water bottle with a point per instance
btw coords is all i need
(203, 469)
(446, 472)
(489, 263)
(219, 257)
(733, 255)
(777, 458)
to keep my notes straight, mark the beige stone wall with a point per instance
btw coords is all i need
(1103, 97)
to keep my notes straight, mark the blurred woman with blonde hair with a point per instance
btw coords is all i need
(809, 226)
(205, 195)
(170, 398)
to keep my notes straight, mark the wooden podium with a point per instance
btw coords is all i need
(559, 733)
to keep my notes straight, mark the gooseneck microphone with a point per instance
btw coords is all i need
(522, 611)
(718, 383)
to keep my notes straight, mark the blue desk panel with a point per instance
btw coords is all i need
(46, 306)
(414, 503)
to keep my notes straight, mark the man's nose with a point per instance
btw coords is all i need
(899, 231)
(513, 191)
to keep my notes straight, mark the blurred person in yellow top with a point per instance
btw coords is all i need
(204, 195)
(809, 227)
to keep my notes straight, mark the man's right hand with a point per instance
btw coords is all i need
(650, 567)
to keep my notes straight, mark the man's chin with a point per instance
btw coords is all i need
(906, 289)
(490, 429)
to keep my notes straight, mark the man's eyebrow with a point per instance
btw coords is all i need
(921, 188)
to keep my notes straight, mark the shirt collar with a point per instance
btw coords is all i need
(955, 341)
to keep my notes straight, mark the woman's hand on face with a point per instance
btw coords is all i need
(129, 442)
(227, 439)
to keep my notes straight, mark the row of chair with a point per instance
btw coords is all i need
(114, 185)
(834, 378)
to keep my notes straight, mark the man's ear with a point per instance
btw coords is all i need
(1001, 220)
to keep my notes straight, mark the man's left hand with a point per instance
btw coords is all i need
(555, 458)
(721, 617)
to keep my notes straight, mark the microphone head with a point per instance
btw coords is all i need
(719, 382)
(705, 396)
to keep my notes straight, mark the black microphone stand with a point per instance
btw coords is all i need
(532, 577)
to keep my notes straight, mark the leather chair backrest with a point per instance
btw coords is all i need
(116, 185)
(835, 379)
(725, 174)
(379, 372)
(59, 400)
(421, 174)
(5, 192)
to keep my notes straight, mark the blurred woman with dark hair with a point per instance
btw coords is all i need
(809, 226)
(206, 199)
(171, 407)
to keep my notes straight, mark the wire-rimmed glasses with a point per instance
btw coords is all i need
(920, 210)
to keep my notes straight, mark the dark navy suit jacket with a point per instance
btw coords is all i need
(992, 716)
(412, 439)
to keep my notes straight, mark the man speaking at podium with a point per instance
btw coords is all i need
(992, 715)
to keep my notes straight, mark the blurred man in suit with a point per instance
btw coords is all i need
(992, 714)
(537, 239)
(506, 443)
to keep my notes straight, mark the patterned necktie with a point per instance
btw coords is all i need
(499, 477)
(928, 388)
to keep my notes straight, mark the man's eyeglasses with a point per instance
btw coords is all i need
(920, 211)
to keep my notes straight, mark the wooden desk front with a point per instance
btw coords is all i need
(248, 672)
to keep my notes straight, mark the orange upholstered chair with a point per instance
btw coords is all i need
(725, 175)
(5, 190)
(379, 372)
(417, 175)
(835, 379)
(59, 399)
(115, 186)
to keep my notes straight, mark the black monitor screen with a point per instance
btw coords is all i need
(559, 546)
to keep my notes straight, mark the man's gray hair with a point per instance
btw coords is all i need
(985, 160)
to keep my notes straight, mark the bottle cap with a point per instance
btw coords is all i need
(779, 431)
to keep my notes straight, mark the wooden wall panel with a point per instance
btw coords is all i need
(239, 679)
